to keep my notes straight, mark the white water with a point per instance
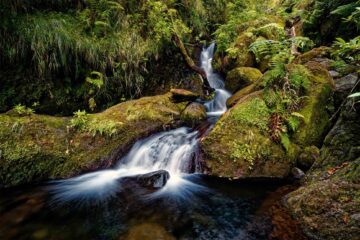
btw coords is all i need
(175, 151)
(217, 106)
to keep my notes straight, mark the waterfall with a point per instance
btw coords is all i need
(217, 106)
(175, 151)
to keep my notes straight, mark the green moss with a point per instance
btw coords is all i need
(271, 31)
(193, 114)
(241, 77)
(38, 147)
(316, 116)
(252, 113)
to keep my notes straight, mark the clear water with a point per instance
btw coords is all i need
(107, 205)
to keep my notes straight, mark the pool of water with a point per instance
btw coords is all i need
(215, 209)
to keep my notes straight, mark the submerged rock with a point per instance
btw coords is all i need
(194, 114)
(154, 180)
(39, 147)
(149, 181)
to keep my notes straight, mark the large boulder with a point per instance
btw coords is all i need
(315, 110)
(241, 77)
(240, 144)
(194, 114)
(39, 147)
(321, 52)
(330, 195)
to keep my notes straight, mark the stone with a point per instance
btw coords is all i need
(334, 74)
(194, 114)
(320, 52)
(239, 145)
(330, 194)
(182, 95)
(343, 87)
(307, 157)
(155, 180)
(345, 84)
(149, 181)
(241, 94)
(297, 173)
(40, 147)
(241, 77)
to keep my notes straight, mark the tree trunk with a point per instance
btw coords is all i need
(191, 64)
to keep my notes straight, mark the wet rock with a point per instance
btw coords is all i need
(241, 77)
(132, 186)
(155, 180)
(307, 157)
(40, 147)
(297, 173)
(182, 95)
(194, 114)
(344, 86)
(148, 231)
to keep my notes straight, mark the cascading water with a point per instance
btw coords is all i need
(175, 151)
(217, 106)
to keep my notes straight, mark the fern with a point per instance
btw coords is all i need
(285, 141)
(265, 48)
(274, 76)
(293, 123)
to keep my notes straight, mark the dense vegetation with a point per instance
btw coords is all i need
(64, 55)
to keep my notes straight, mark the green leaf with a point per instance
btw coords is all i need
(299, 115)
(354, 95)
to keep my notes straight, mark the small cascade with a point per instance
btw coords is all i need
(217, 106)
(175, 151)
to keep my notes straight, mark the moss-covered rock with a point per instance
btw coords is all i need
(321, 52)
(241, 77)
(240, 144)
(38, 147)
(183, 95)
(307, 157)
(328, 209)
(243, 57)
(331, 192)
(193, 114)
(271, 31)
(315, 110)
(241, 93)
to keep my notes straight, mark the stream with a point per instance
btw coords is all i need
(173, 201)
